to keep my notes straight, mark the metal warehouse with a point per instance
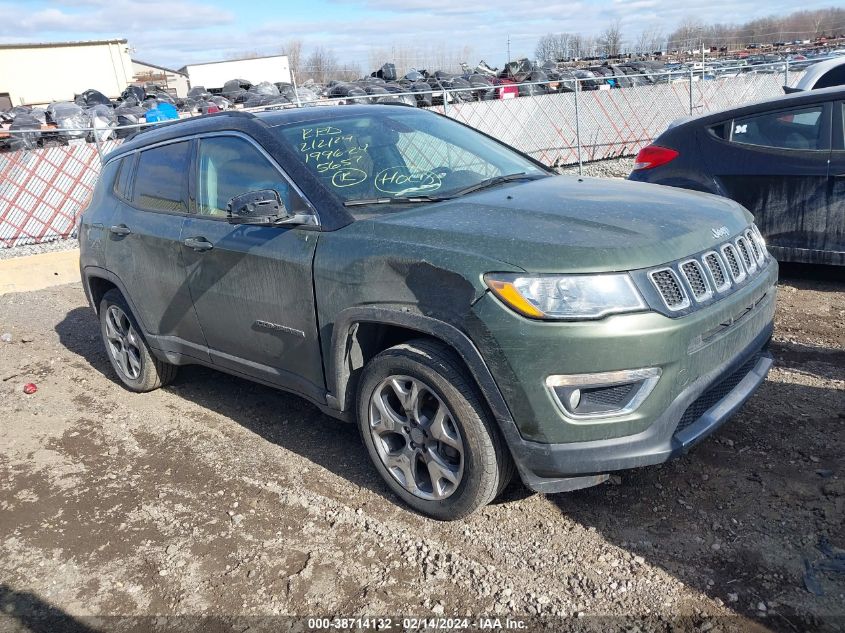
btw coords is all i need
(35, 74)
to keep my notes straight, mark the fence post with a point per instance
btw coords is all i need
(578, 128)
(97, 143)
(690, 89)
(445, 102)
(786, 73)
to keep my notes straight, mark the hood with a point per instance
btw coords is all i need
(570, 224)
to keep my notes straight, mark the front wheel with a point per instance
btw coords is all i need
(428, 432)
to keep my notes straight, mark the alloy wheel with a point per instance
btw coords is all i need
(123, 342)
(416, 437)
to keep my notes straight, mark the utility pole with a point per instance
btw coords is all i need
(509, 50)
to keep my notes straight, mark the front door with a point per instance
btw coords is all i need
(251, 285)
(776, 165)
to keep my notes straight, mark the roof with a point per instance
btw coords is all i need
(226, 61)
(164, 68)
(63, 44)
(239, 120)
(815, 71)
(806, 97)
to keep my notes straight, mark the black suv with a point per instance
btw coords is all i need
(473, 312)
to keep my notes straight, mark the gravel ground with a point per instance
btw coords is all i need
(611, 168)
(220, 498)
(35, 249)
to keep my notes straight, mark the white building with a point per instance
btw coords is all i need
(167, 78)
(274, 68)
(38, 74)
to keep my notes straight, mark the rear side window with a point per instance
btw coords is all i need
(787, 129)
(121, 183)
(160, 178)
(833, 77)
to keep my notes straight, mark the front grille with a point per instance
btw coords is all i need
(750, 264)
(729, 252)
(690, 283)
(695, 277)
(713, 394)
(670, 289)
(717, 270)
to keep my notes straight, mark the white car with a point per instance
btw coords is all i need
(826, 74)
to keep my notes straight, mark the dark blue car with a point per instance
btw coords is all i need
(784, 160)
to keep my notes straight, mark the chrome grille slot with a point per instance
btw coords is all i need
(755, 248)
(670, 289)
(698, 283)
(734, 265)
(744, 250)
(717, 271)
(761, 243)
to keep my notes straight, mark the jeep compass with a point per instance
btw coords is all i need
(472, 312)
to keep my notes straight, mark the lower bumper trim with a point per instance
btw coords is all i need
(562, 467)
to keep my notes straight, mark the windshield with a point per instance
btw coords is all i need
(400, 156)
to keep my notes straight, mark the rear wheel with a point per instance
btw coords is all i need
(127, 350)
(428, 432)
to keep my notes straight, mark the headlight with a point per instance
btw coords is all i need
(566, 296)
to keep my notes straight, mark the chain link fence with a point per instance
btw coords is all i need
(570, 122)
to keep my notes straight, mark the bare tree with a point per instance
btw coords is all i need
(554, 47)
(649, 41)
(293, 50)
(610, 40)
(321, 65)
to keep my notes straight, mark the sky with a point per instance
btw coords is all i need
(177, 32)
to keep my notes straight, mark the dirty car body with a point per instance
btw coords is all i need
(459, 301)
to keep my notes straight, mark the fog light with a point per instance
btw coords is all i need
(602, 395)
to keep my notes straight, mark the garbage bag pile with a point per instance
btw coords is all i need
(91, 116)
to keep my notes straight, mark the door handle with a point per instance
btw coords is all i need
(120, 229)
(199, 244)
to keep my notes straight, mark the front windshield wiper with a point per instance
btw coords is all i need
(396, 200)
(489, 182)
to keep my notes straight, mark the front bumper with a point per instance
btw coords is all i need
(711, 362)
(699, 410)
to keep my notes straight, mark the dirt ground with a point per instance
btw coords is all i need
(220, 503)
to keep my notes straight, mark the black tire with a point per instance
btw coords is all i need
(152, 373)
(487, 466)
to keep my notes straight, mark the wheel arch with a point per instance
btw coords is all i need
(361, 333)
(98, 281)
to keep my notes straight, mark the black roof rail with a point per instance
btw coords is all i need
(158, 126)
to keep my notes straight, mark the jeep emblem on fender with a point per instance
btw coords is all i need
(721, 232)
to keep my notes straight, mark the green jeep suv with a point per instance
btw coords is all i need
(471, 311)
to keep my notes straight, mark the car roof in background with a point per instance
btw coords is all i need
(815, 71)
(805, 97)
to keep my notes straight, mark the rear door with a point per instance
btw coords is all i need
(776, 165)
(252, 285)
(144, 249)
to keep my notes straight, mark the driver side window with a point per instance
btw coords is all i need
(230, 166)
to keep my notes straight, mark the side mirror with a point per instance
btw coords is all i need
(256, 207)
